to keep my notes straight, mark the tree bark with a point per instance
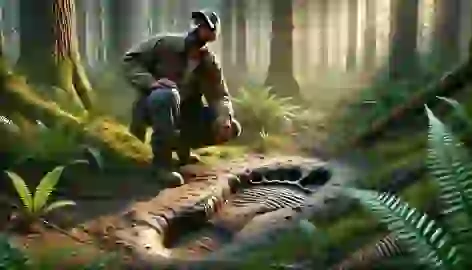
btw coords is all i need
(353, 30)
(49, 49)
(82, 28)
(403, 62)
(370, 36)
(280, 74)
(447, 32)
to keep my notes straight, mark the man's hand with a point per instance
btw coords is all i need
(223, 128)
(164, 82)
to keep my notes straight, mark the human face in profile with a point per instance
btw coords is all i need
(206, 34)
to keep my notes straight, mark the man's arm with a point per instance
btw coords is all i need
(137, 62)
(215, 90)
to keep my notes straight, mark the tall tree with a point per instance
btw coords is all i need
(323, 36)
(159, 16)
(403, 62)
(370, 35)
(82, 27)
(128, 25)
(49, 50)
(280, 74)
(241, 39)
(352, 32)
(228, 7)
(446, 33)
(185, 9)
(102, 46)
(303, 8)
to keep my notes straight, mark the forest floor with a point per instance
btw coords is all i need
(100, 223)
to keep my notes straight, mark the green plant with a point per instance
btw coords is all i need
(54, 143)
(11, 258)
(445, 244)
(258, 109)
(37, 205)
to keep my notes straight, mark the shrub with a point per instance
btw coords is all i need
(259, 110)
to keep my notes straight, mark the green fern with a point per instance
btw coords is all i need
(422, 235)
(36, 205)
(443, 247)
(258, 108)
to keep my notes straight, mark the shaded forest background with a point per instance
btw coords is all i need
(335, 47)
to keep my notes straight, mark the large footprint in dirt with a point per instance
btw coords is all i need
(214, 209)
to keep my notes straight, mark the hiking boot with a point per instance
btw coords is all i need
(168, 177)
(186, 157)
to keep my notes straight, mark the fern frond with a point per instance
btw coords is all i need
(58, 204)
(430, 243)
(459, 112)
(450, 166)
(23, 191)
(45, 187)
(382, 249)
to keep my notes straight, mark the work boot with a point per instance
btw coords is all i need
(186, 157)
(167, 177)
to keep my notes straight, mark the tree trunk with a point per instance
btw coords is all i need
(183, 16)
(446, 32)
(49, 50)
(352, 31)
(280, 74)
(82, 28)
(102, 47)
(323, 37)
(370, 36)
(228, 7)
(304, 32)
(403, 62)
(241, 38)
(128, 25)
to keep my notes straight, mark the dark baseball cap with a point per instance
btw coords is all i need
(209, 18)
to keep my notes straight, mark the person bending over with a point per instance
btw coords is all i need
(172, 73)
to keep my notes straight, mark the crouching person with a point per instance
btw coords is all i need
(173, 73)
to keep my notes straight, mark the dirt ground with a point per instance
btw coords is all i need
(99, 224)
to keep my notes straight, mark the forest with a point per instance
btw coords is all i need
(355, 150)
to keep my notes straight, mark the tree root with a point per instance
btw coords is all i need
(81, 83)
(109, 136)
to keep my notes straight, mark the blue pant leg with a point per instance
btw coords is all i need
(164, 109)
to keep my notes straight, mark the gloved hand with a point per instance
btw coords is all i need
(223, 129)
(164, 82)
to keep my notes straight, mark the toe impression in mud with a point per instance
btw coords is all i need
(191, 221)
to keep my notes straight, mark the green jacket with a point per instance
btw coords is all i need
(163, 56)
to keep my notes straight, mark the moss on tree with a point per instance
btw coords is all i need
(16, 96)
(49, 48)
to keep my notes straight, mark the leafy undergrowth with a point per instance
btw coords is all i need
(103, 132)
